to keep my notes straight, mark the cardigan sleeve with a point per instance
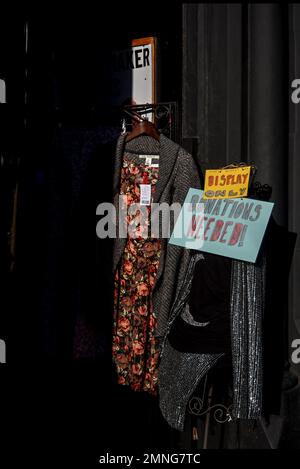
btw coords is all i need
(177, 258)
(187, 176)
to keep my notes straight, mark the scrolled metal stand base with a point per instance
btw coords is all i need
(221, 414)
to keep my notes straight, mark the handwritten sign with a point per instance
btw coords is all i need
(228, 227)
(226, 183)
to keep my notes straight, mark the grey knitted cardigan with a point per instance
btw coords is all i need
(177, 173)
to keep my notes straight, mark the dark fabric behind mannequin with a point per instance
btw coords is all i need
(279, 246)
(209, 302)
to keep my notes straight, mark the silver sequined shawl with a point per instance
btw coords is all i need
(179, 373)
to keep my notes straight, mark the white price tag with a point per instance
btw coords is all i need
(145, 194)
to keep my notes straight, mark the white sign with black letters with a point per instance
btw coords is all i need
(133, 72)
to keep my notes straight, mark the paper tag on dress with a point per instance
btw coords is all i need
(148, 160)
(145, 194)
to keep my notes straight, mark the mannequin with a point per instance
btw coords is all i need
(217, 317)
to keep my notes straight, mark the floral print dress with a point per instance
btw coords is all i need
(135, 349)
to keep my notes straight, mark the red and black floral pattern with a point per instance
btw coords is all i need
(135, 349)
